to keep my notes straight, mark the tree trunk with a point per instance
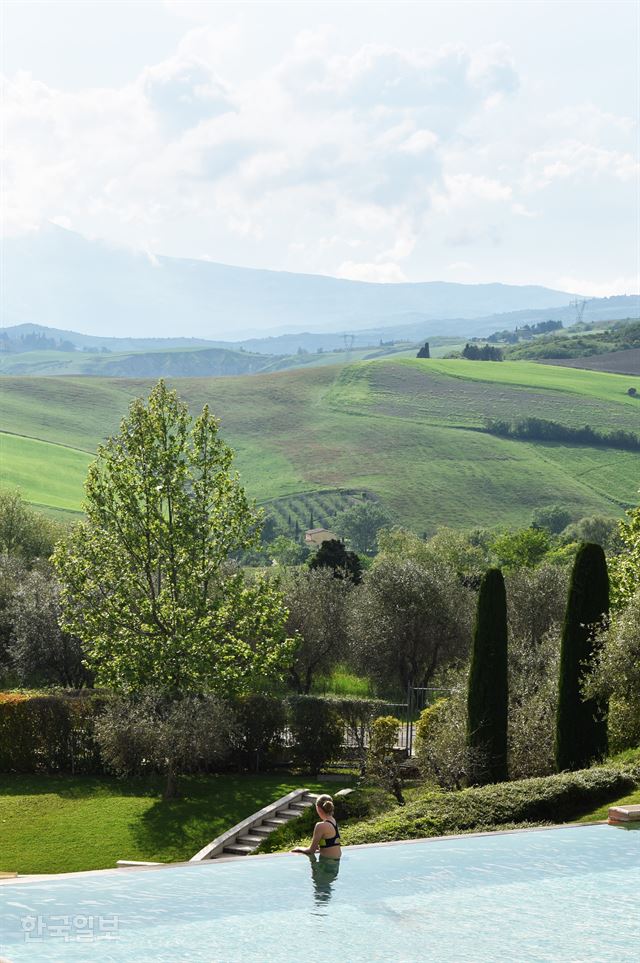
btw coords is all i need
(171, 785)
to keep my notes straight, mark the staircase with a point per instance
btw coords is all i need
(245, 837)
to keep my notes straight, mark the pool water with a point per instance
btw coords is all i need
(567, 894)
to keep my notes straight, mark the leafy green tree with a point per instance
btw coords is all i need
(40, 652)
(317, 604)
(456, 548)
(360, 524)
(408, 619)
(145, 584)
(488, 692)
(581, 727)
(23, 531)
(626, 566)
(524, 548)
(551, 518)
(600, 529)
(333, 555)
(616, 676)
(286, 551)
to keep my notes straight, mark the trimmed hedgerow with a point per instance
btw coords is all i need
(49, 733)
(550, 799)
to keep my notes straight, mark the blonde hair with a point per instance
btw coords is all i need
(325, 803)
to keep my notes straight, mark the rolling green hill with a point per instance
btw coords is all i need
(410, 432)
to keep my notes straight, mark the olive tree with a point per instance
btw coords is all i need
(150, 732)
(317, 604)
(40, 651)
(145, 580)
(616, 675)
(408, 618)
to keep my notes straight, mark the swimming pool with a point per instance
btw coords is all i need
(557, 895)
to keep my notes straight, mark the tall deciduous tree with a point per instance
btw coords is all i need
(488, 693)
(145, 583)
(581, 727)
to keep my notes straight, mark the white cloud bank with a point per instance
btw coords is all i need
(376, 164)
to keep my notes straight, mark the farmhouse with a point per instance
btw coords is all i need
(316, 536)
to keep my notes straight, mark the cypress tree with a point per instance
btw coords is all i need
(488, 693)
(581, 727)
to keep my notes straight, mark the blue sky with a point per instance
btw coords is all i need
(379, 141)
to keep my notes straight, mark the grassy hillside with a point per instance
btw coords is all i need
(408, 431)
(593, 340)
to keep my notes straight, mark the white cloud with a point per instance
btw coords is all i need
(574, 159)
(599, 289)
(371, 161)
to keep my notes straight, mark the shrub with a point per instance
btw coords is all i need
(316, 732)
(550, 799)
(150, 732)
(358, 716)
(261, 722)
(383, 764)
(441, 747)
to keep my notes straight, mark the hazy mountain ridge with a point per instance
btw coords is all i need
(60, 279)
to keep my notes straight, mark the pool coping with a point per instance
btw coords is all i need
(122, 870)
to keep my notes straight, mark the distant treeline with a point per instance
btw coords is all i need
(33, 342)
(539, 429)
(481, 352)
(526, 332)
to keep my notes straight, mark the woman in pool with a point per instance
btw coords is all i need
(326, 835)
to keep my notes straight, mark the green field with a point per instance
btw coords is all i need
(409, 432)
(63, 824)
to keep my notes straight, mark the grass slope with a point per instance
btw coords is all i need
(61, 824)
(408, 431)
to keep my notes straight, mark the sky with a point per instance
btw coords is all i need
(381, 141)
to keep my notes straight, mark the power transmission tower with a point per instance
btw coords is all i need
(348, 344)
(579, 304)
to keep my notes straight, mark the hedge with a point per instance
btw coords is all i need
(54, 732)
(549, 799)
(49, 733)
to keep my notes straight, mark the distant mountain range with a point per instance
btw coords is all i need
(60, 279)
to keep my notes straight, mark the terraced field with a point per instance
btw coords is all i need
(408, 431)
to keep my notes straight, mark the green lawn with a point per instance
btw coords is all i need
(602, 812)
(405, 430)
(58, 824)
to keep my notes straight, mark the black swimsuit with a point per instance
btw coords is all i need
(334, 840)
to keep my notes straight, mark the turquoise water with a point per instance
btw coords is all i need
(554, 895)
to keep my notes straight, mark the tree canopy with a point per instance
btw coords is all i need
(145, 581)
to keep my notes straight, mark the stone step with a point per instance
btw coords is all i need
(274, 822)
(237, 849)
(287, 814)
(300, 806)
(262, 830)
(250, 840)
